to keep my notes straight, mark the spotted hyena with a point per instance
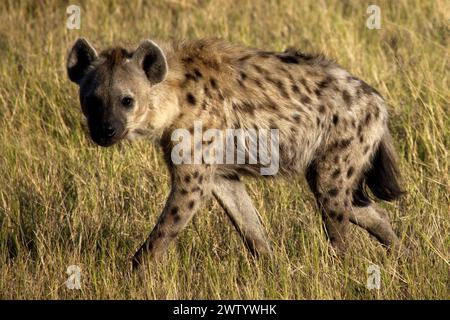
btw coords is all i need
(332, 127)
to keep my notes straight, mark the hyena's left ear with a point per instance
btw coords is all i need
(80, 58)
(152, 60)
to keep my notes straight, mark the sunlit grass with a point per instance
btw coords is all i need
(64, 201)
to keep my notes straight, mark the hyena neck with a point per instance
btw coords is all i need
(164, 112)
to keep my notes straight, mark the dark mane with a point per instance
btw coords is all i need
(293, 55)
(115, 56)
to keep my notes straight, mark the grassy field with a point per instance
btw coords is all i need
(64, 201)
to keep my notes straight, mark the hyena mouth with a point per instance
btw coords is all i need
(141, 132)
(105, 142)
(124, 135)
(136, 134)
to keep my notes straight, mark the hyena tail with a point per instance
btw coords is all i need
(382, 177)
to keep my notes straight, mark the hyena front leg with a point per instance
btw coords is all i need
(233, 197)
(190, 184)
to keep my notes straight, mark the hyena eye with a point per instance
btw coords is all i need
(127, 102)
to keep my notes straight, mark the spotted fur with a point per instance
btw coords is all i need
(332, 127)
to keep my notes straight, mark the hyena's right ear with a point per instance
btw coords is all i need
(81, 56)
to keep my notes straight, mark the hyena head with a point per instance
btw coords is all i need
(118, 89)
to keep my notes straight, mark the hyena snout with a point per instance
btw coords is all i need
(108, 133)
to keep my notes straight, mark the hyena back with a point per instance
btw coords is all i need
(332, 127)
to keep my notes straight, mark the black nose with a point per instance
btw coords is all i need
(110, 131)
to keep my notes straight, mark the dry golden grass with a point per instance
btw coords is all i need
(64, 201)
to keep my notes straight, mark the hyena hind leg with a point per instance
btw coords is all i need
(375, 220)
(234, 199)
(334, 203)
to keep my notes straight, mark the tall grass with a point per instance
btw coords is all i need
(64, 201)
